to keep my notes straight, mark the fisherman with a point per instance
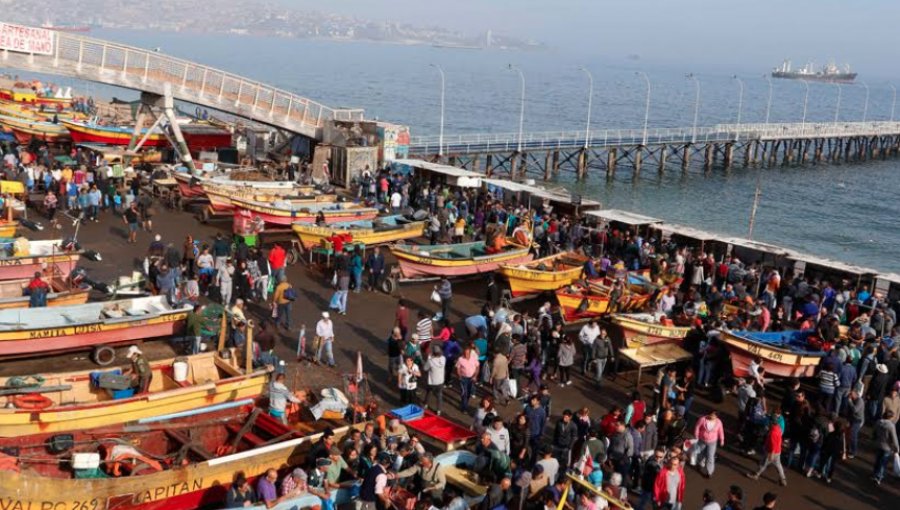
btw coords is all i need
(37, 291)
(279, 396)
(140, 371)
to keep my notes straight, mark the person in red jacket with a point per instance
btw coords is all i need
(669, 486)
(277, 257)
(772, 454)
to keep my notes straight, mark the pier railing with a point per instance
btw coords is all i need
(720, 133)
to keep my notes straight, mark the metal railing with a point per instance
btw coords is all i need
(131, 67)
(499, 142)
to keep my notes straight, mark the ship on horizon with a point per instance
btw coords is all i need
(66, 27)
(829, 73)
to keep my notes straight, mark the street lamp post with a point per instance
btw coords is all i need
(805, 104)
(646, 105)
(837, 107)
(740, 104)
(866, 104)
(441, 136)
(587, 129)
(769, 101)
(696, 106)
(521, 106)
(894, 100)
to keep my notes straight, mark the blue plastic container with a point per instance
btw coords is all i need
(409, 413)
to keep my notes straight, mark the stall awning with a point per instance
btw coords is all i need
(669, 229)
(626, 217)
(559, 196)
(833, 264)
(438, 168)
(758, 246)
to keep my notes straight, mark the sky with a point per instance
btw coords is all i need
(699, 34)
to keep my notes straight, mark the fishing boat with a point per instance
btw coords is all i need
(456, 259)
(23, 258)
(62, 293)
(381, 230)
(286, 212)
(36, 331)
(196, 136)
(784, 353)
(640, 329)
(459, 468)
(181, 461)
(8, 228)
(578, 302)
(221, 196)
(26, 129)
(544, 274)
(73, 400)
(30, 112)
(25, 94)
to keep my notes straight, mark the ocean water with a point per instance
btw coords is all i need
(846, 212)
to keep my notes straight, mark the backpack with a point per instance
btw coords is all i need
(290, 294)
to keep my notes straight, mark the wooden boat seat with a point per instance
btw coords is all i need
(192, 446)
(250, 437)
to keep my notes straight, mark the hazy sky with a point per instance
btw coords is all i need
(745, 36)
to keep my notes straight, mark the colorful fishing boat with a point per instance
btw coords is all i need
(8, 228)
(26, 129)
(221, 196)
(784, 353)
(29, 96)
(196, 136)
(381, 230)
(456, 259)
(640, 329)
(23, 258)
(36, 331)
(30, 112)
(182, 461)
(62, 293)
(284, 213)
(73, 401)
(544, 274)
(579, 302)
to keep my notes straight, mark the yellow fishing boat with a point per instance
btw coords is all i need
(8, 228)
(544, 274)
(419, 261)
(381, 230)
(75, 403)
(640, 329)
(579, 302)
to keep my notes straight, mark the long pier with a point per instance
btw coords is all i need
(724, 146)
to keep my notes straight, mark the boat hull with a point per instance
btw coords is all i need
(312, 235)
(777, 362)
(413, 265)
(573, 310)
(28, 342)
(638, 333)
(187, 189)
(114, 412)
(24, 267)
(8, 229)
(524, 281)
(83, 133)
(283, 218)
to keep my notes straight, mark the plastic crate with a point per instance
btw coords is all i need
(118, 394)
(408, 413)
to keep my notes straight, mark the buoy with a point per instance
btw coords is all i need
(32, 402)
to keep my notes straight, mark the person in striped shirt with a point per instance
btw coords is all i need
(424, 328)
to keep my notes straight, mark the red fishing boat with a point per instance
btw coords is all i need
(28, 257)
(286, 212)
(196, 136)
(181, 461)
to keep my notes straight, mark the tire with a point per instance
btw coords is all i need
(103, 355)
(293, 256)
(389, 285)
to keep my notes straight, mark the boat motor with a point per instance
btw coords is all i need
(31, 225)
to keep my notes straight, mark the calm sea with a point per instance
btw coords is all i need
(846, 212)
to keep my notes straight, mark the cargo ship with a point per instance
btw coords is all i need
(829, 73)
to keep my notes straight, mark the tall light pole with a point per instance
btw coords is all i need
(866, 104)
(894, 100)
(587, 130)
(646, 105)
(769, 101)
(441, 136)
(837, 107)
(805, 104)
(740, 105)
(696, 106)
(521, 106)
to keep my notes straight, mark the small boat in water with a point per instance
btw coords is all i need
(381, 230)
(75, 400)
(456, 259)
(544, 274)
(23, 258)
(286, 212)
(784, 353)
(37, 331)
(177, 462)
(641, 329)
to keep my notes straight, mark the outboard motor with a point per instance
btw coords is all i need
(79, 277)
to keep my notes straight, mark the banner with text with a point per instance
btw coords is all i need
(26, 39)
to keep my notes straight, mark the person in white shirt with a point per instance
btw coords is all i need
(589, 332)
(396, 200)
(325, 332)
(499, 435)
(408, 380)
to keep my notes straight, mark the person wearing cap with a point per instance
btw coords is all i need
(338, 465)
(294, 484)
(317, 482)
(429, 477)
(372, 494)
(140, 371)
(325, 332)
(876, 392)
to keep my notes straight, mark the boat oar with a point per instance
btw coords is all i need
(11, 390)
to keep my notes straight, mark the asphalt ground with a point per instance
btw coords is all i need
(368, 323)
